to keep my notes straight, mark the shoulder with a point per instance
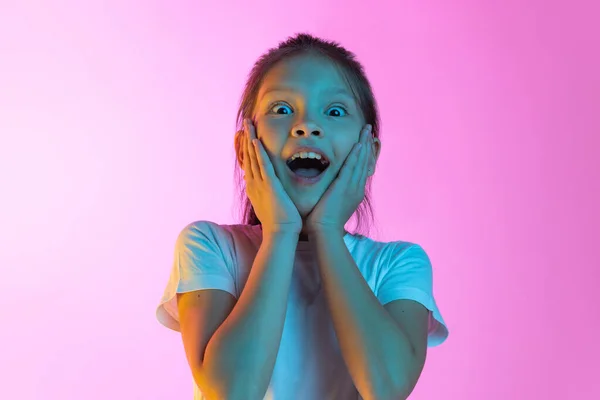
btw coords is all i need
(220, 234)
(407, 250)
(386, 250)
(391, 256)
(198, 230)
(408, 256)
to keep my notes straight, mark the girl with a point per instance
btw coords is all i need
(289, 305)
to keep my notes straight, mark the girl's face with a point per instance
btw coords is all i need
(304, 101)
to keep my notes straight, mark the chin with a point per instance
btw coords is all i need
(305, 207)
(305, 199)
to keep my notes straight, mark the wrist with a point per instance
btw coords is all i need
(280, 233)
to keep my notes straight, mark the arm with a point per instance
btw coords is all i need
(382, 361)
(240, 357)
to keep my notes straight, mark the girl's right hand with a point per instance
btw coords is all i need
(272, 205)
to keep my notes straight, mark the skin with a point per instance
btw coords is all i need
(308, 115)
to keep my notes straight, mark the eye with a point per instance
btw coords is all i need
(282, 104)
(340, 107)
(277, 105)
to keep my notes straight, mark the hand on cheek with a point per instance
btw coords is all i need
(347, 190)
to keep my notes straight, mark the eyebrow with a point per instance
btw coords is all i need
(331, 90)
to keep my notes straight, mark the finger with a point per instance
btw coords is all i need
(253, 161)
(371, 152)
(358, 164)
(349, 167)
(352, 159)
(368, 146)
(364, 167)
(366, 134)
(266, 167)
(246, 155)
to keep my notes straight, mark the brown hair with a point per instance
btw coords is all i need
(353, 73)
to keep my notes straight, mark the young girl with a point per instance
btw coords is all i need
(289, 305)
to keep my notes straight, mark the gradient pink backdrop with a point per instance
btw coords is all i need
(117, 125)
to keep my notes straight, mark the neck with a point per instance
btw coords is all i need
(303, 236)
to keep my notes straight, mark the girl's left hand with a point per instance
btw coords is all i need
(346, 191)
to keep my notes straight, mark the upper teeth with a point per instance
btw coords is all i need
(304, 154)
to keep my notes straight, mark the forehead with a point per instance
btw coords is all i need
(305, 74)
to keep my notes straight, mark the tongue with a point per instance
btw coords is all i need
(309, 173)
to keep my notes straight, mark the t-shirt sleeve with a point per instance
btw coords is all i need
(199, 263)
(408, 275)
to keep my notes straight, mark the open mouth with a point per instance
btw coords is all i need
(307, 167)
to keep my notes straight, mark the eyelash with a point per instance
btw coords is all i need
(284, 103)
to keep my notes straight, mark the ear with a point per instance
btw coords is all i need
(238, 147)
(376, 148)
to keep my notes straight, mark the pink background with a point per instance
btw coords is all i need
(117, 125)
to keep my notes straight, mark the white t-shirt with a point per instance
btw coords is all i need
(309, 364)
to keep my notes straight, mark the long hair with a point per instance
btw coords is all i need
(353, 73)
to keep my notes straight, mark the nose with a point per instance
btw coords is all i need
(302, 132)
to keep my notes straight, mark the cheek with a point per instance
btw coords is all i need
(273, 148)
(342, 150)
(271, 138)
